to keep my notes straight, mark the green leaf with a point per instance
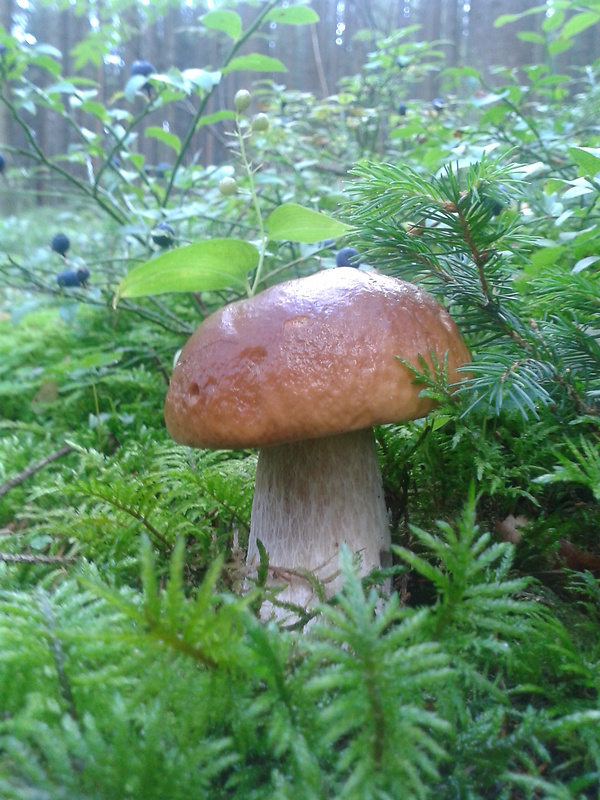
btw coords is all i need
(201, 77)
(133, 86)
(206, 266)
(556, 6)
(164, 136)
(218, 116)
(439, 421)
(578, 189)
(578, 23)
(255, 62)
(226, 21)
(584, 263)
(294, 15)
(97, 109)
(505, 19)
(137, 159)
(293, 223)
(47, 50)
(559, 46)
(554, 21)
(488, 98)
(47, 63)
(545, 256)
(149, 581)
(530, 36)
(494, 115)
(587, 160)
(63, 87)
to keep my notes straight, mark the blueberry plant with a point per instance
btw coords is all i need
(150, 204)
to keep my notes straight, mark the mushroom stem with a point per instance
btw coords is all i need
(311, 497)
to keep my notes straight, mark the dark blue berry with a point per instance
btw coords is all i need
(144, 68)
(438, 104)
(73, 277)
(60, 243)
(347, 257)
(160, 170)
(141, 67)
(2, 163)
(495, 203)
(402, 109)
(163, 235)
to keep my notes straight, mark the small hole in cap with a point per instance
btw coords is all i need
(194, 389)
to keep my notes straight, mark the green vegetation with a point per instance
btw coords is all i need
(133, 663)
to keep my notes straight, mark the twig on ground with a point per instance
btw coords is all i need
(33, 468)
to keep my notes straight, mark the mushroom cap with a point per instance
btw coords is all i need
(308, 358)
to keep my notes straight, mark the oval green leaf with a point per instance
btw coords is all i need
(293, 15)
(256, 63)
(201, 77)
(293, 223)
(205, 266)
(579, 23)
(165, 137)
(218, 116)
(133, 86)
(228, 22)
(587, 160)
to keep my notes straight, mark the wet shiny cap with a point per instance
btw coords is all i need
(307, 358)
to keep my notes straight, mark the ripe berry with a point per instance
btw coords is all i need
(60, 243)
(73, 277)
(163, 235)
(495, 202)
(2, 163)
(242, 100)
(158, 171)
(144, 68)
(347, 257)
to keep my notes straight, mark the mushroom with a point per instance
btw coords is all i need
(303, 371)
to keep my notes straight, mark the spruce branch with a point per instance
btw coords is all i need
(441, 231)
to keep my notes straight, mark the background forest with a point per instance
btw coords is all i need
(142, 189)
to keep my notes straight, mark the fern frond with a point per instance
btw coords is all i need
(377, 665)
(580, 464)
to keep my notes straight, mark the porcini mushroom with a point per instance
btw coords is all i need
(304, 371)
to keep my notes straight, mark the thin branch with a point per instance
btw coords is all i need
(318, 60)
(57, 652)
(29, 558)
(33, 468)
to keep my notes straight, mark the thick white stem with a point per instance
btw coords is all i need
(311, 497)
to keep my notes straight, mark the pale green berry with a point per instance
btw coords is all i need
(228, 186)
(260, 123)
(242, 100)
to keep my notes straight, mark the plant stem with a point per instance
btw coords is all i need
(204, 101)
(254, 202)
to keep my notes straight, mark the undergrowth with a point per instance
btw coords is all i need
(132, 660)
(164, 691)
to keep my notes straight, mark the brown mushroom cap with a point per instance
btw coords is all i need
(308, 358)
